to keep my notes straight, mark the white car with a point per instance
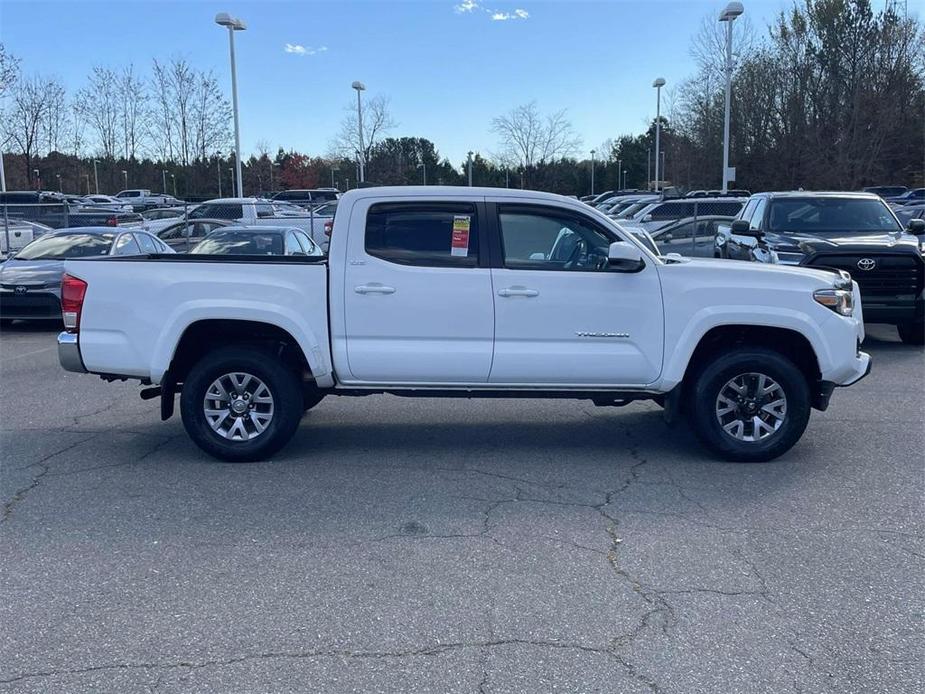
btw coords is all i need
(657, 214)
(108, 202)
(262, 212)
(468, 292)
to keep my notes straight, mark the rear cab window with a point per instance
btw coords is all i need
(433, 234)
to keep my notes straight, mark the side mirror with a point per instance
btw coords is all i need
(625, 257)
(740, 227)
(916, 226)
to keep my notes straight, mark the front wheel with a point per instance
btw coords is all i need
(239, 404)
(912, 333)
(749, 404)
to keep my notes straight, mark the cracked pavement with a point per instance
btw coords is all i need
(456, 546)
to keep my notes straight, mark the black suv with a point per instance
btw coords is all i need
(856, 232)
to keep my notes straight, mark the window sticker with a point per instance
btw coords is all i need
(459, 246)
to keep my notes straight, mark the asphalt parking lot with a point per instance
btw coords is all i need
(457, 546)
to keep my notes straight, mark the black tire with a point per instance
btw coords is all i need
(282, 383)
(709, 380)
(311, 397)
(6, 322)
(912, 333)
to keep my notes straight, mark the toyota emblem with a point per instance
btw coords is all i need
(867, 264)
(19, 290)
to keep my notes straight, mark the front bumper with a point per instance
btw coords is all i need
(30, 305)
(69, 353)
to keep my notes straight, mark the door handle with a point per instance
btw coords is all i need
(374, 288)
(518, 291)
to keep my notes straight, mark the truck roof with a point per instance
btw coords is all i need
(451, 191)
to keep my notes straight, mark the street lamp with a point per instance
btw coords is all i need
(174, 177)
(58, 176)
(164, 180)
(273, 164)
(234, 24)
(423, 167)
(728, 15)
(624, 179)
(469, 164)
(658, 84)
(38, 179)
(125, 177)
(231, 176)
(619, 175)
(592, 171)
(360, 87)
(334, 170)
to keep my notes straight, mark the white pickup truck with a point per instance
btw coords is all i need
(468, 292)
(142, 198)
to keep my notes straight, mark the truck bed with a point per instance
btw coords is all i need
(137, 308)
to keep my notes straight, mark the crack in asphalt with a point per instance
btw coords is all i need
(22, 493)
(426, 651)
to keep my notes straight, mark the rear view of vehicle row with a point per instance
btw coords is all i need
(465, 292)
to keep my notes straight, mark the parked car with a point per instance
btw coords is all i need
(53, 210)
(854, 232)
(911, 197)
(30, 281)
(627, 201)
(469, 292)
(656, 215)
(907, 213)
(257, 241)
(886, 192)
(142, 199)
(307, 198)
(106, 201)
(14, 236)
(260, 212)
(692, 237)
(182, 235)
(734, 193)
(159, 213)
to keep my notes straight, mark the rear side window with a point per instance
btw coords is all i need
(431, 234)
(217, 211)
(147, 244)
(673, 211)
(324, 195)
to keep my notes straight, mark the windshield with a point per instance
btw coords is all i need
(240, 243)
(831, 215)
(61, 246)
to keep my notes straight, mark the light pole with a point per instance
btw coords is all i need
(728, 15)
(624, 179)
(664, 175)
(2, 179)
(125, 177)
(38, 179)
(231, 175)
(87, 178)
(507, 177)
(234, 24)
(334, 169)
(469, 165)
(360, 87)
(423, 167)
(273, 164)
(96, 177)
(164, 180)
(58, 176)
(658, 84)
(648, 169)
(619, 174)
(218, 170)
(592, 171)
(174, 177)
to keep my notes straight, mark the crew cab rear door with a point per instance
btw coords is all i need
(562, 315)
(417, 293)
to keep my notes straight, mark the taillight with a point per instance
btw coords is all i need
(328, 228)
(73, 290)
(112, 222)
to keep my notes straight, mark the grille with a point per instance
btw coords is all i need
(30, 305)
(893, 274)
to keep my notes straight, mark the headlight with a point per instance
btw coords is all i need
(839, 300)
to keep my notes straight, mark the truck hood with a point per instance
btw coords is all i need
(809, 243)
(785, 273)
(31, 272)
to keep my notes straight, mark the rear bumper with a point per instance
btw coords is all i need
(69, 353)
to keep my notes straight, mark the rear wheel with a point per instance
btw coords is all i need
(749, 404)
(912, 333)
(239, 404)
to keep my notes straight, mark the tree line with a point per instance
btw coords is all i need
(830, 95)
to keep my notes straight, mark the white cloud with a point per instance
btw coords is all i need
(504, 16)
(466, 6)
(299, 49)
(469, 6)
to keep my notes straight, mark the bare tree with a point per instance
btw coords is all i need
(133, 97)
(377, 121)
(54, 125)
(9, 70)
(210, 115)
(530, 138)
(160, 119)
(26, 116)
(98, 103)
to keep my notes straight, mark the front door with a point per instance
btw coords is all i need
(562, 315)
(417, 296)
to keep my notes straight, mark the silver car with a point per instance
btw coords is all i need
(30, 281)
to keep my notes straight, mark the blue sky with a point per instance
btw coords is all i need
(448, 70)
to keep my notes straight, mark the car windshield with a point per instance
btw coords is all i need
(240, 243)
(326, 210)
(61, 246)
(831, 215)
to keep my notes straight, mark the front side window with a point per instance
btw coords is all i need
(428, 234)
(547, 239)
(758, 214)
(147, 243)
(126, 245)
